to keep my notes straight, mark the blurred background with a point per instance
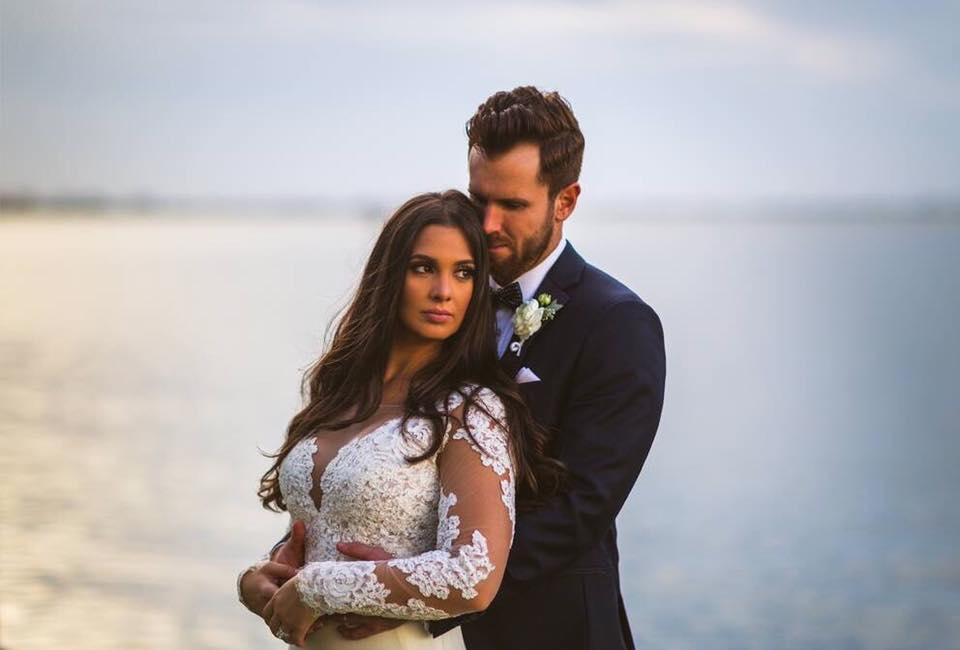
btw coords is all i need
(189, 190)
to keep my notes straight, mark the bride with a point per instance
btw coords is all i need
(412, 440)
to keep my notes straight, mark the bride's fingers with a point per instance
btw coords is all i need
(276, 625)
(298, 636)
(267, 613)
(278, 571)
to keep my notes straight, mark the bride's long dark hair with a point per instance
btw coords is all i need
(345, 385)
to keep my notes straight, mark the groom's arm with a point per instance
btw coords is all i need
(606, 431)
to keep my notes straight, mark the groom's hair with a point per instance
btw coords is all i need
(527, 114)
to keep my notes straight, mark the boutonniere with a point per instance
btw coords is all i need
(530, 316)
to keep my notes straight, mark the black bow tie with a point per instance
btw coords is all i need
(509, 296)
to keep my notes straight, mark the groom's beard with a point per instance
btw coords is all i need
(525, 254)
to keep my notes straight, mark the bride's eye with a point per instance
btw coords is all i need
(420, 268)
(465, 273)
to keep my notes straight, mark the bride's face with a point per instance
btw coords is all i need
(438, 283)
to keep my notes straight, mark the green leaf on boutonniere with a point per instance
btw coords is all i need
(550, 311)
(549, 307)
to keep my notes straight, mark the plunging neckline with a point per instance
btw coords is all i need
(354, 440)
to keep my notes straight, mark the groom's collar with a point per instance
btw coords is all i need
(566, 271)
(531, 280)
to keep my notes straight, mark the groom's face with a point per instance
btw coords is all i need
(518, 215)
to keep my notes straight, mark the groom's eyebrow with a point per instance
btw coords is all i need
(508, 201)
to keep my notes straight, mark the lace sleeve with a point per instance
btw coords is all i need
(474, 534)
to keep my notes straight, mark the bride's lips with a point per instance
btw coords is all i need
(437, 315)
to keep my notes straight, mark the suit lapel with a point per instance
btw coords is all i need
(565, 273)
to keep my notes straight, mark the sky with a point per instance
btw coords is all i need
(299, 98)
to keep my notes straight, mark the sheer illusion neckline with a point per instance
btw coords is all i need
(447, 521)
(317, 473)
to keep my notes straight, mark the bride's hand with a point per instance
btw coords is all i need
(289, 619)
(356, 627)
(258, 585)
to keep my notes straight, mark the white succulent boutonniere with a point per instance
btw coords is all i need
(530, 316)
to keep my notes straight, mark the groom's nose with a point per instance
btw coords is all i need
(492, 219)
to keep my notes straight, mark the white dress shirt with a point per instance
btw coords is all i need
(529, 282)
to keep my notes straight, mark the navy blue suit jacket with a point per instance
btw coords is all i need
(601, 367)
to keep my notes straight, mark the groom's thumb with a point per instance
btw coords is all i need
(298, 535)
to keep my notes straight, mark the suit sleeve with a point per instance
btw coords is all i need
(606, 430)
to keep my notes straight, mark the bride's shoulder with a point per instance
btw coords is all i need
(480, 421)
(473, 395)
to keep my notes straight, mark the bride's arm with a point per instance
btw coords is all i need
(474, 534)
(257, 583)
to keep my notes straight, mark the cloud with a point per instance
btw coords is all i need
(295, 95)
(744, 35)
(684, 33)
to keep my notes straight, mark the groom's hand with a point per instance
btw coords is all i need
(359, 551)
(293, 551)
(353, 626)
(259, 585)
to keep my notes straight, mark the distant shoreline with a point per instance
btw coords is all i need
(792, 210)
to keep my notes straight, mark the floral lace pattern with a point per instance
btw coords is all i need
(494, 446)
(448, 526)
(328, 587)
(509, 498)
(370, 492)
(435, 572)
(448, 520)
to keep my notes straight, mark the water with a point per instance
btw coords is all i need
(799, 494)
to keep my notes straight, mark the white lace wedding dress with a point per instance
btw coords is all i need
(447, 520)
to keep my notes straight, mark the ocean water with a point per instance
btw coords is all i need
(800, 494)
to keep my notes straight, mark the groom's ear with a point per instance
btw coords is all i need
(565, 201)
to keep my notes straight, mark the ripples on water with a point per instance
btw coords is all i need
(799, 493)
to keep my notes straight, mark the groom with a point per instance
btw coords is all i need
(593, 376)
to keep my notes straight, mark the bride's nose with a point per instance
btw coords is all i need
(440, 288)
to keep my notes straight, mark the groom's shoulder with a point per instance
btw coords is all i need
(601, 292)
(615, 322)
